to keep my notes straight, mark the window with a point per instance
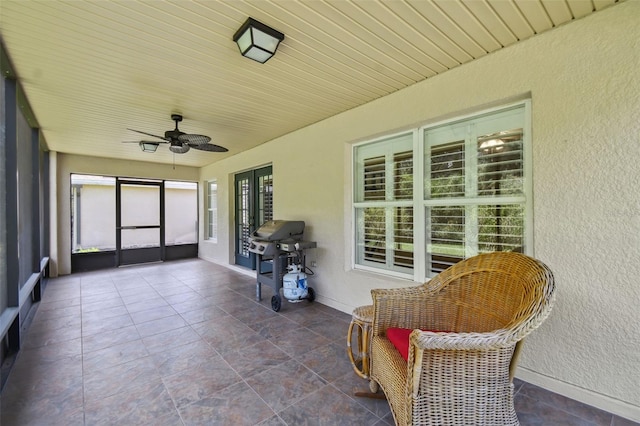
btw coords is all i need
(384, 204)
(212, 210)
(181, 212)
(474, 195)
(93, 213)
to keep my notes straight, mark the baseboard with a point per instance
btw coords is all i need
(320, 299)
(603, 402)
(334, 304)
(235, 268)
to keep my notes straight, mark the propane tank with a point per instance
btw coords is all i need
(294, 283)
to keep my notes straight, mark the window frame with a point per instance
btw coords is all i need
(421, 267)
(389, 204)
(212, 211)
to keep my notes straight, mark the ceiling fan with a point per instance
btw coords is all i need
(180, 142)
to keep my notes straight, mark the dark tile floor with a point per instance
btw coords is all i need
(185, 343)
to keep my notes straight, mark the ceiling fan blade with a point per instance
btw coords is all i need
(150, 134)
(210, 147)
(194, 140)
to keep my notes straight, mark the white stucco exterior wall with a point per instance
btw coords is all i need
(97, 221)
(582, 79)
(97, 216)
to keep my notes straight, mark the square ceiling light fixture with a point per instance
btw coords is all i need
(148, 146)
(257, 41)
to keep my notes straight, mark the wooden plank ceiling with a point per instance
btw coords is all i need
(92, 69)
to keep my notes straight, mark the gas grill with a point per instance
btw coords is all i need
(281, 262)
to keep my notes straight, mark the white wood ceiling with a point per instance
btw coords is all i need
(92, 69)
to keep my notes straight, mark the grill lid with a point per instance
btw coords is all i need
(276, 230)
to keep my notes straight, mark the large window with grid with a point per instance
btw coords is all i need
(427, 199)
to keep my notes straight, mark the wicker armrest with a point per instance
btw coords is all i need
(400, 307)
(428, 340)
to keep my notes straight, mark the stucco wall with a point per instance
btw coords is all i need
(97, 216)
(583, 81)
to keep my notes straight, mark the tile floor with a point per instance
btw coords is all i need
(185, 343)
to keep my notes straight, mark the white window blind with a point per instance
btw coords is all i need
(473, 193)
(468, 163)
(447, 170)
(384, 204)
(374, 178)
(500, 163)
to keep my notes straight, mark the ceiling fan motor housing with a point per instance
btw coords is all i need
(173, 134)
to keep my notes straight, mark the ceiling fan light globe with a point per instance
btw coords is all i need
(179, 149)
(148, 146)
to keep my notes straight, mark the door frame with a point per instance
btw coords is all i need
(145, 254)
(255, 205)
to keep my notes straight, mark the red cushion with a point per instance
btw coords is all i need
(400, 339)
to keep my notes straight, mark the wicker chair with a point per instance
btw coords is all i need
(461, 372)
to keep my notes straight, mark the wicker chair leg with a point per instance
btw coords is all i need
(374, 388)
(374, 395)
